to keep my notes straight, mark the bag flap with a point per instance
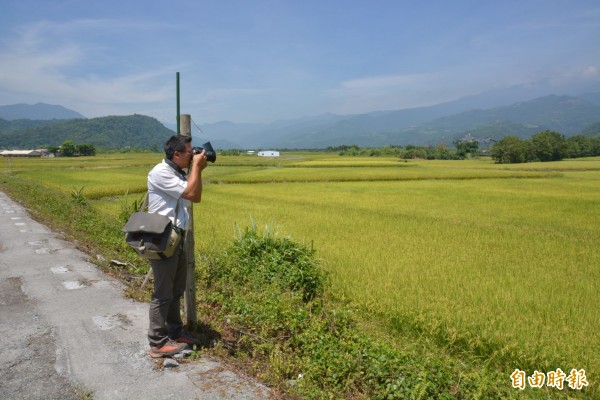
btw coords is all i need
(146, 222)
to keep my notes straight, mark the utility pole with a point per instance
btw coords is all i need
(184, 128)
(178, 113)
(190, 285)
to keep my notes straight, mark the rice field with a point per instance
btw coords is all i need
(501, 260)
(513, 262)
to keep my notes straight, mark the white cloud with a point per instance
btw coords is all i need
(41, 64)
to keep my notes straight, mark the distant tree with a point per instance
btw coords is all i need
(53, 149)
(579, 146)
(67, 149)
(509, 150)
(549, 146)
(440, 152)
(595, 144)
(464, 148)
(340, 148)
(352, 150)
(414, 152)
(86, 149)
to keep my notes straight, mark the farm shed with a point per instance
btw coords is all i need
(268, 153)
(21, 153)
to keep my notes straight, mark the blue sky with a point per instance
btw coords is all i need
(259, 61)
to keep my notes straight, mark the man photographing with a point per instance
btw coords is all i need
(171, 192)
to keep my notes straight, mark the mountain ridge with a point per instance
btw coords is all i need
(440, 123)
(137, 131)
(38, 111)
(565, 114)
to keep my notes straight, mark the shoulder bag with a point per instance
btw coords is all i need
(152, 236)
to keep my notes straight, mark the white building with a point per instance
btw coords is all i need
(21, 153)
(268, 153)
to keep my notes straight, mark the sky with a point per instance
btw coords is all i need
(264, 60)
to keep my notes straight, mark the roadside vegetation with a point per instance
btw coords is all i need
(361, 277)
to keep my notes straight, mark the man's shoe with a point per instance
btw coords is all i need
(186, 338)
(166, 349)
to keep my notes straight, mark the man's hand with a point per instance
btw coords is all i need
(199, 160)
(193, 190)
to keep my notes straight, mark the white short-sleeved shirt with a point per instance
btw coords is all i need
(165, 187)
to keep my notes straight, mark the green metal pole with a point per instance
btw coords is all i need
(178, 128)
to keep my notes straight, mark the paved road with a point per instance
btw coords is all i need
(67, 330)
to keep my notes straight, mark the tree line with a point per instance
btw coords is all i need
(70, 149)
(544, 146)
(462, 150)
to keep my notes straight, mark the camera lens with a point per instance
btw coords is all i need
(211, 154)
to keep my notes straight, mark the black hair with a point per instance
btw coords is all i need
(176, 143)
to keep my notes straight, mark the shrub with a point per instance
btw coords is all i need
(280, 261)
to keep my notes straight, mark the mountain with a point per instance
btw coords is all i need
(442, 123)
(19, 124)
(591, 97)
(565, 114)
(592, 130)
(105, 132)
(39, 111)
(484, 116)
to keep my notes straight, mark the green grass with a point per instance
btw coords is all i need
(496, 262)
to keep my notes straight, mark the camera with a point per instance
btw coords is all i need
(211, 154)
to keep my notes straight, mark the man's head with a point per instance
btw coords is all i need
(179, 150)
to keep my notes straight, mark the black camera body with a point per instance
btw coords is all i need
(211, 154)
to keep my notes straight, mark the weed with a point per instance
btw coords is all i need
(78, 197)
(83, 394)
(128, 208)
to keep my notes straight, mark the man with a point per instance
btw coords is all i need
(170, 193)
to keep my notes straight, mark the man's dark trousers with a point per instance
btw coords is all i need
(169, 285)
